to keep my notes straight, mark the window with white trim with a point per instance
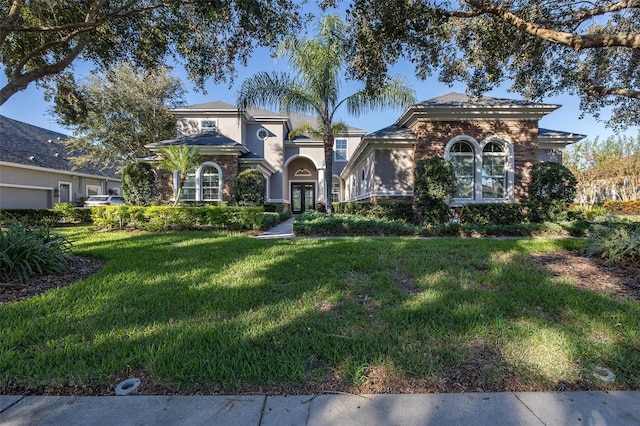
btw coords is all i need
(208, 125)
(462, 157)
(93, 190)
(209, 183)
(335, 192)
(484, 170)
(494, 170)
(262, 134)
(340, 150)
(189, 188)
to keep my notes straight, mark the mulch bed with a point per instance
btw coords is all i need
(79, 268)
(592, 273)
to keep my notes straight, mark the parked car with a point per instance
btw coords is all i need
(104, 200)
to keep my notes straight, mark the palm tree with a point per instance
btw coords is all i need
(179, 159)
(315, 88)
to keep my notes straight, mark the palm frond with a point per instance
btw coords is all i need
(395, 93)
(306, 129)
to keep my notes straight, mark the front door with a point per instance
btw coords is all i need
(303, 197)
(65, 192)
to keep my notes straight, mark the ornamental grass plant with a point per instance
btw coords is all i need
(27, 251)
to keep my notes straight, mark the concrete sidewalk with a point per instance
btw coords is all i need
(281, 230)
(506, 408)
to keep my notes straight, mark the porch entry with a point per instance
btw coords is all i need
(303, 197)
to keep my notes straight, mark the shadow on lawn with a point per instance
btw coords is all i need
(233, 314)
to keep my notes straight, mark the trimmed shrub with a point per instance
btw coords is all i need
(493, 214)
(623, 207)
(139, 185)
(386, 210)
(69, 213)
(26, 251)
(250, 188)
(551, 190)
(435, 185)
(315, 223)
(270, 219)
(165, 218)
(31, 217)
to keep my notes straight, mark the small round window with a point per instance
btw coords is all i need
(262, 134)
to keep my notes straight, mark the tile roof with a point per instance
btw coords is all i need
(23, 143)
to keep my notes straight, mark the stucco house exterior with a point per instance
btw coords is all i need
(231, 140)
(493, 144)
(35, 170)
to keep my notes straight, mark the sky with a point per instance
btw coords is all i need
(30, 107)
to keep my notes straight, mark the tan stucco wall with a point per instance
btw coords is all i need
(45, 182)
(394, 170)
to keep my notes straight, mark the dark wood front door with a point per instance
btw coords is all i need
(303, 197)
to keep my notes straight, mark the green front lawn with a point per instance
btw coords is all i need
(213, 312)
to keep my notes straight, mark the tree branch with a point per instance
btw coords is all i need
(619, 91)
(575, 41)
(21, 81)
(12, 18)
(119, 13)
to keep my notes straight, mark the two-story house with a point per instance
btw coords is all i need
(230, 140)
(492, 143)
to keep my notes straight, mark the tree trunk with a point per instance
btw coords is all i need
(328, 171)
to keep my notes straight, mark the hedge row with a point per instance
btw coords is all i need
(623, 207)
(32, 217)
(387, 210)
(314, 223)
(163, 218)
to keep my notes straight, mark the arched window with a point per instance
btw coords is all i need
(494, 170)
(209, 183)
(462, 156)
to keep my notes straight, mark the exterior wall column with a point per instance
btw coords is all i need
(321, 188)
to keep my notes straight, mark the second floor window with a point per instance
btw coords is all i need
(208, 125)
(340, 150)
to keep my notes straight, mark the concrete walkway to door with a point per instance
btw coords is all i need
(282, 230)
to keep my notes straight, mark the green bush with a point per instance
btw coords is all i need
(26, 251)
(618, 244)
(69, 213)
(315, 223)
(493, 214)
(31, 217)
(165, 218)
(139, 185)
(270, 219)
(387, 210)
(551, 189)
(435, 185)
(623, 207)
(250, 188)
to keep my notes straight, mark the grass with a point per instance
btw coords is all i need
(205, 312)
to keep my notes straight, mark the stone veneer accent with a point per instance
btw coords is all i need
(432, 137)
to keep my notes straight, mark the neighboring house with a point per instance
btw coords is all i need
(35, 171)
(492, 143)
